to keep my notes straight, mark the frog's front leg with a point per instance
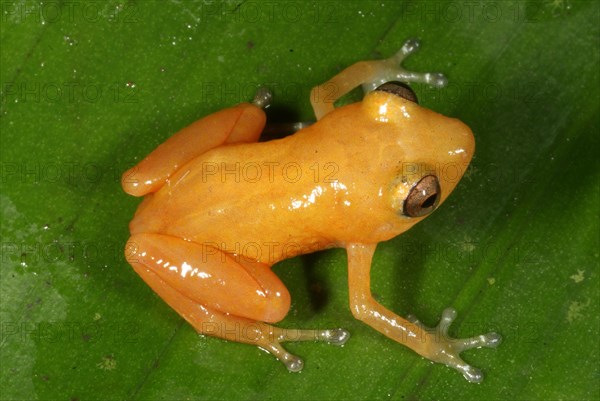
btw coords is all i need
(370, 74)
(433, 344)
(221, 296)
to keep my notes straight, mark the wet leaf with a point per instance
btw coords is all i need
(88, 88)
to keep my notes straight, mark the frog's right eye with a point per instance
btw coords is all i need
(423, 198)
(399, 89)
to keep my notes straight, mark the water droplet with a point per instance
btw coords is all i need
(69, 40)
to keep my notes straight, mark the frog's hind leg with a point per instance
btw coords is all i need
(370, 75)
(242, 123)
(232, 328)
(232, 305)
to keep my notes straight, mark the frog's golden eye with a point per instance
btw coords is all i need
(399, 89)
(423, 197)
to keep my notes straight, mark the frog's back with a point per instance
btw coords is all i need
(235, 195)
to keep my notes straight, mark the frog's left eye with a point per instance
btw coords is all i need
(399, 89)
(423, 198)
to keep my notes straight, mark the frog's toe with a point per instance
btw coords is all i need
(470, 373)
(436, 79)
(263, 97)
(489, 340)
(294, 364)
(451, 358)
(448, 316)
(336, 336)
(409, 47)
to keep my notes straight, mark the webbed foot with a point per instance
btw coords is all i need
(292, 362)
(446, 350)
(391, 70)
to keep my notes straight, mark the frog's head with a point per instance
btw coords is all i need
(427, 152)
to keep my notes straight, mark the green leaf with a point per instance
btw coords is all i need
(89, 88)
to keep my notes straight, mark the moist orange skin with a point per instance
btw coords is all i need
(220, 209)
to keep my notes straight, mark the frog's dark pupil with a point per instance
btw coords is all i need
(429, 201)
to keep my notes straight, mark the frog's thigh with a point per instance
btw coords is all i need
(206, 276)
(242, 123)
(205, 320)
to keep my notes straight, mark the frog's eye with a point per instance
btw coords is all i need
(423, 197)
(399, 89)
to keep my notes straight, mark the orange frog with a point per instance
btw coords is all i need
(220, 208)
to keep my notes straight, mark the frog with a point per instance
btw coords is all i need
(220, 208)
